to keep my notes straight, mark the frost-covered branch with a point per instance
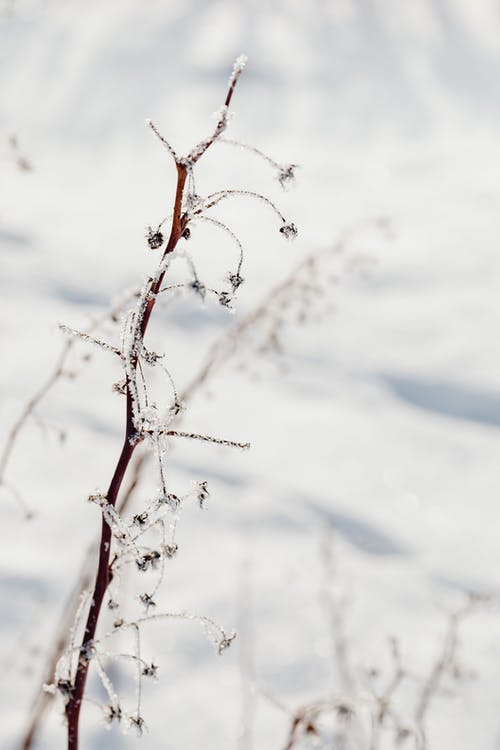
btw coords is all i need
(145, 420)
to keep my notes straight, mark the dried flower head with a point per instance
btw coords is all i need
(147, 600)
(149, 560)
(286, 175)
(154, 238)
(150, 670)
(199, 288)
(202, 494)
(137, 722)
(289, 231)
(235, 280)
(140, 519)
(176, 408)
(112, 713)
(225, 299)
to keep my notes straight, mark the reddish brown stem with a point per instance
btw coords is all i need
(74, 704)
(43, 699)
(179, 223)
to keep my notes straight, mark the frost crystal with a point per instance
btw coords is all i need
(238, 68)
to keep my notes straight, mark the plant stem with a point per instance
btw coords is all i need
(74, 704)
(179, 223)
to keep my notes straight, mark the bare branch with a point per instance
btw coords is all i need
(207, 439)
(167, 145)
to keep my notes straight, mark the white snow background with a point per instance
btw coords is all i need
(384, 425)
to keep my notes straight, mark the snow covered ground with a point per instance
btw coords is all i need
(380, 421)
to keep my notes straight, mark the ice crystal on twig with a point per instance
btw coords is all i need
(167, 145)
(235, 239)
(208, 439)
(285, 172)
(238, 68)
(87, 338)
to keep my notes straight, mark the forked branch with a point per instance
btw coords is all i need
(137, 324)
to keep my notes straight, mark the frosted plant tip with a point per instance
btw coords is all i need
(148, 122)
(238, 68)
(240, 63)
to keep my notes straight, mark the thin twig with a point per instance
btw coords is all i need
(444, 664)
(31, 405)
